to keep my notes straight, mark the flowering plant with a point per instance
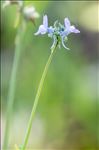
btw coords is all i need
(59, 34)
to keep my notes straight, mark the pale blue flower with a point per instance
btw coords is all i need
(68, 28)
(44, 27)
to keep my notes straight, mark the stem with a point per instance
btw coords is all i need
(12, 84)
(36, 99)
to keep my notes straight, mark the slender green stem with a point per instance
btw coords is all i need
(12, 84)
(36, 99)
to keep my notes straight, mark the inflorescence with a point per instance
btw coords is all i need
(58, 31)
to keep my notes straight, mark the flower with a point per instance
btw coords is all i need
(57, 32)
(43, 28)
(30, 13)
(68, 28)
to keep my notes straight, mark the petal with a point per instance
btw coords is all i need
(74, 30)
(41, 30)
(50, 29)
(45, 21)
(37, 33)
(66, 32)
(67, 23)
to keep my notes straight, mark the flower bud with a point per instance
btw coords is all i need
(30, 13)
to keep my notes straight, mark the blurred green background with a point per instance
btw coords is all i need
(67, 113)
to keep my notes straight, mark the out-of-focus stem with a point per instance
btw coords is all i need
(12, 83)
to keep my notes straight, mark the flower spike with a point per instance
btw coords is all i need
(58, 31)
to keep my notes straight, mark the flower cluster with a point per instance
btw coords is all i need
(58, 31)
